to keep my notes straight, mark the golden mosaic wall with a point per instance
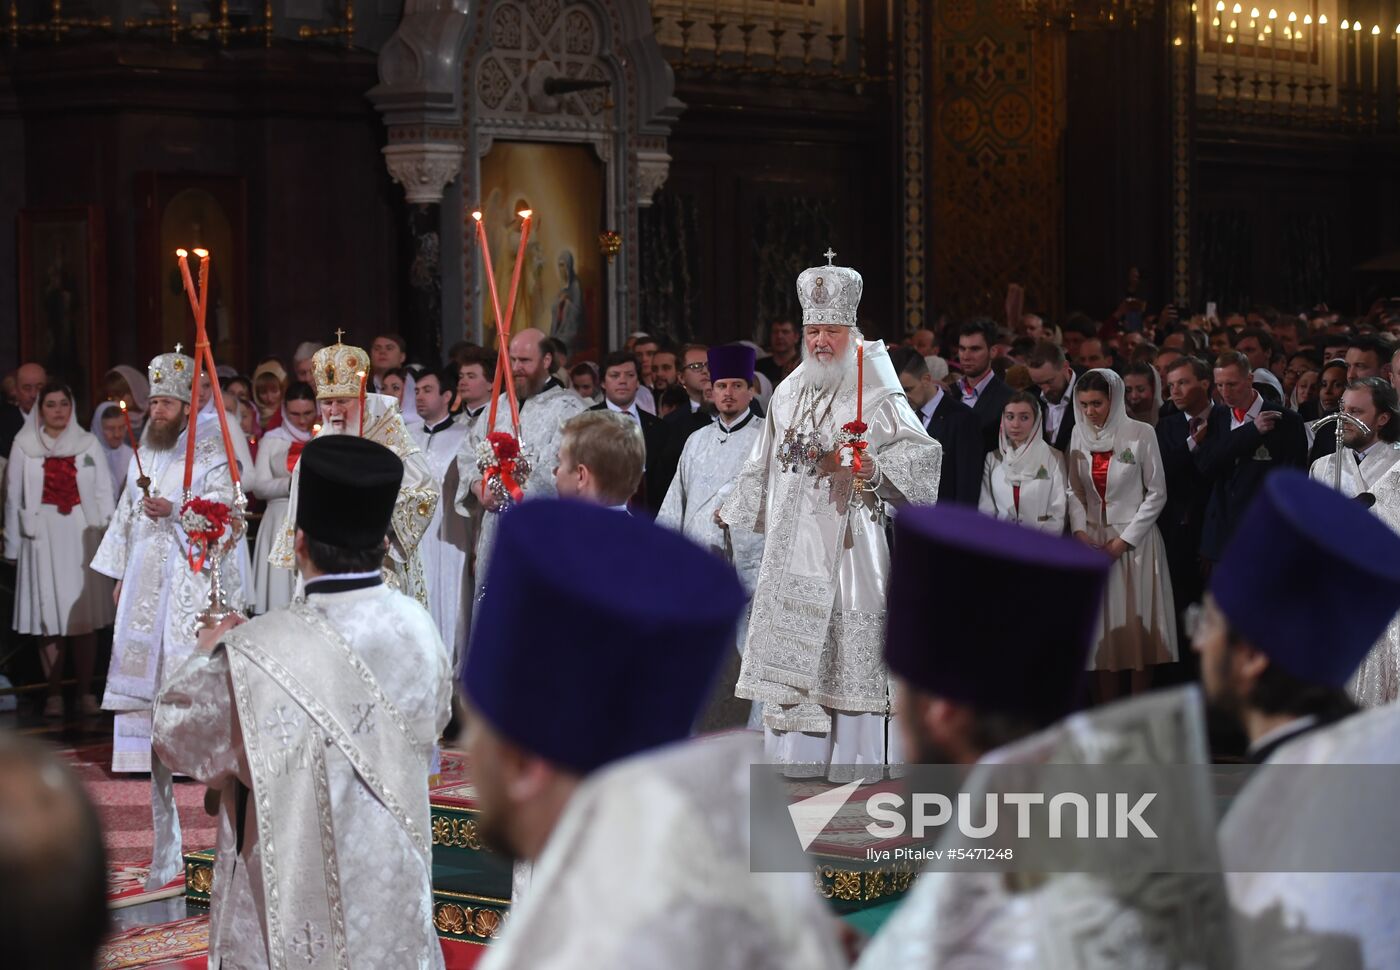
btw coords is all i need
(996, 123)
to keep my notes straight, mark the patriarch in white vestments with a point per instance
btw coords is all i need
(839, 446)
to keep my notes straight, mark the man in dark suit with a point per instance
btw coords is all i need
(29, 381)
(1050, 371)
(949, 422)
(1242, 444)
(1188, 491)
(979, 388)
(621, 378)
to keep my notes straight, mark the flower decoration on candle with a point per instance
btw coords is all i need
(501, 464)
(205, 522)
(850, 440)
(500, 457)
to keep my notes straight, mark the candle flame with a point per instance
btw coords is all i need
(1220, 6)
(1176, 42)
(1237, 9)
(1273, 14)
(1346, 24)
(477, 215)
(1215, 22)
(1356, 26)
(360, 374)
(525, 213)
(1229, 38)
(1322, 20)
(202, 253)
(122, 405)
(182, 253)
(1254, 13)
(1375, 30)
(1292, 17)
(1307, 19)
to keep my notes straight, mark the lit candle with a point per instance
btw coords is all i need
(1322, 48)
(860, 379)
(364, 379)
(1375, 58)
(503, 371)
(135, 450)
(194, 417)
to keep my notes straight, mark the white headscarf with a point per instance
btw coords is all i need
(1086, 437)
(117, 458)
(140, 390)
(1023, 464)
(287, 429)
(36, 443)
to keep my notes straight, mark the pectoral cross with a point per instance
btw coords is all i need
(830, 254)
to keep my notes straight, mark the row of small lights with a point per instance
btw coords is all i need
(1289, 32)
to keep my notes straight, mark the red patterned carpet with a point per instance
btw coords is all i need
(124, 805)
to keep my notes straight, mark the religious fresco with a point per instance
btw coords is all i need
(562, 271)
(62, 292)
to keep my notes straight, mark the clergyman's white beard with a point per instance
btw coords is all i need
(830, 375)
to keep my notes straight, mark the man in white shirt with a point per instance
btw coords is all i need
(446, 545)
(1370, 455)
(981, 389)
(1051, 373)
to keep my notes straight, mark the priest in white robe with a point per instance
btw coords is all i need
(709, 466)
(1377, 680)
(339, 373)
(1368, 455)
(545, 405)
(447, 543)
(639, 844)
(316, 724)
(1276, 662)
(159, 595)
(1029, 602)
(812, 653)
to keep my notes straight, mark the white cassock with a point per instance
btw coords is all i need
(447, 543)
(1332, 920)
(56, 594)
(418, 497)
(273, 586)
(158, 613)
(542, 418)
(709, 466)
(1079, 920)
(1377, 680)
(1356, 479)
(648, 867)
(316, 723)
(817, 624)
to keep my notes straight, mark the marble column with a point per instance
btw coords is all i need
(424, 170)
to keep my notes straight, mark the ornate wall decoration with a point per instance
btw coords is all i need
(996, 128)
(1182, 26)
(912, 42)
(570, 71)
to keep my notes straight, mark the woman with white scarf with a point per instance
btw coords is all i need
(123, 383)
(1117, 489)
(1024, 479)
(109, 428)
(57, 505)
(278, 453)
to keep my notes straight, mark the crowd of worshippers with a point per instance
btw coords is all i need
(1143, 435)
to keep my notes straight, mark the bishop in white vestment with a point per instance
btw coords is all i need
(447, 543)
(812, 653)
(346, 409)
(316, 724)
(160, 596)
(1377, 680)
(545, 406)
(1368, 455)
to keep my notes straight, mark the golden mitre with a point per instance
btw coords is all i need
(337, 370)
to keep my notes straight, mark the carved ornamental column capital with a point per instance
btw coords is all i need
(423, 169)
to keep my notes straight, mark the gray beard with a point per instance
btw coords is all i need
(828, 377)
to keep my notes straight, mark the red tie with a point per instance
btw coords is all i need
(969, 389)
(1240, 414)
